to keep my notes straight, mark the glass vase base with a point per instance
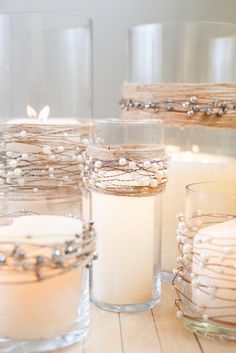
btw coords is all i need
(129, 308)
(210, 330)
(45, 345)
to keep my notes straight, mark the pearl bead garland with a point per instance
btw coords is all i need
(122, 161)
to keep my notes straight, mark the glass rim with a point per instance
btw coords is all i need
(190, 188)
(89, 20)
(135, 121)
(170, 23)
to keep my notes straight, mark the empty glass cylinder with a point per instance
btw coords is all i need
(45, 60)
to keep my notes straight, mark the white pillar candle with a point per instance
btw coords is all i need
(127, 230)
(214, 271)
(39, 309)
(186, 168)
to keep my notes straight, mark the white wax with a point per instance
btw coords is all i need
(45, 228)
(46, 308)
(49, 121)
(219, 273)
(128, 241)
(187, 168)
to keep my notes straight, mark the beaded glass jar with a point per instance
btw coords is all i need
(46, 99)
(205, 275)
(45, 249)
(126, 174)
(184, 73)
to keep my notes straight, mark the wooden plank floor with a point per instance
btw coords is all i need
(154, 331)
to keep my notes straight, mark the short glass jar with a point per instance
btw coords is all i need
(45, 249)
(205, 275)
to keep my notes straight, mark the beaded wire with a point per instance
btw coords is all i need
(189, 238)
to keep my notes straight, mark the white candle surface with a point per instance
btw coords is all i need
(214, 270)
(128, 242)
(44, 308)
(49, 121)
(186, 168)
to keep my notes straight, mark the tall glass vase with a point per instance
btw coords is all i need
(185, 71)
(45, 100)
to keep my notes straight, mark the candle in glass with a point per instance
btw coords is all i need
(126, 172)
(205, 275)
(159, 84)
(187, 167)
(43, 264)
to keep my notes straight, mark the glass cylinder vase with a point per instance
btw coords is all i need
(46, 98)
(205, 275)
(126, 174)
(184, 73)
(45, 249)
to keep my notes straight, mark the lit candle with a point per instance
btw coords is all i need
(42, 118)
(214, 271)
(41, 152)
(186, 168)
(35, 309)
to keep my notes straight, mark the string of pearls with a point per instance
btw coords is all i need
(192, 106)
(42, 157)
(123, 174)
(45, 261)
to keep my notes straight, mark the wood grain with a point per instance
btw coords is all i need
(139, 333)
(174, 337)
(156, 331)
(104, 335)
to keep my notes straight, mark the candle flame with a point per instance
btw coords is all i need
(44, 113)
(31, 112)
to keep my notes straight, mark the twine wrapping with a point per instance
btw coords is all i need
(38, 157)
(208, 105)
(132, 170)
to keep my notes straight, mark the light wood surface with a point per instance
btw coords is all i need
(154, 331)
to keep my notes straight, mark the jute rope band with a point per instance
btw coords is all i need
(132, 170)
(206, 104)
(39, 157)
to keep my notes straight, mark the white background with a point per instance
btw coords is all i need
(112, 18)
